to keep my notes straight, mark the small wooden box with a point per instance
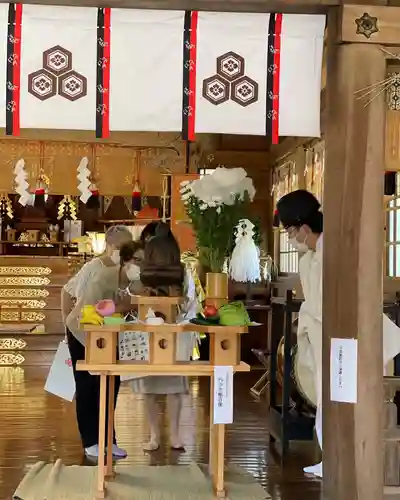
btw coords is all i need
(225, 346)
(33, 235)
(101, 346)
(162, 344)
(11, 234)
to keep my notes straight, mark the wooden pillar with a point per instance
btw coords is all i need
(352, 287)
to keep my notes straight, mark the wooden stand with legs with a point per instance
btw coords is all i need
(100, 359)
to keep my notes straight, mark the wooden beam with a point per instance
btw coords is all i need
(352, 287)
(290, 6)
(370, 24)
(287, 146)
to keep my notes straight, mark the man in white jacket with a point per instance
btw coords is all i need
(299, 213)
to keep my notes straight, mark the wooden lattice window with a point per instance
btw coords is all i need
(393, 234)
(284, 181)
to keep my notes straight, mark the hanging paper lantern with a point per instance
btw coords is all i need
(136, 198)
(94, 200)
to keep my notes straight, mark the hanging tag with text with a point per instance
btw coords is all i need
(223, 394)
(344, 370)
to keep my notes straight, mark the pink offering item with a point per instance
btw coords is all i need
(105, 307)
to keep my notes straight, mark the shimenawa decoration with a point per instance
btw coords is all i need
(390, 85)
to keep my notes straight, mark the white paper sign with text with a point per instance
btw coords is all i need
(344, 370)
(223, 394)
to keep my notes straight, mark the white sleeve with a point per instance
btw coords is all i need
(77, 284)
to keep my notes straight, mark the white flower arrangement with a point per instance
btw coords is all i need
(215, 203)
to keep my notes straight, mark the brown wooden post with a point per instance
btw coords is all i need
(353, 232)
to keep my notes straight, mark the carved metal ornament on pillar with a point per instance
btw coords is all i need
(367, 25)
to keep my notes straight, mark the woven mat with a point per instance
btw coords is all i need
(58, 482)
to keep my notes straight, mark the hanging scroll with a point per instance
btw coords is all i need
(147, 70)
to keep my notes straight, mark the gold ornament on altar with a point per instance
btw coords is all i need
(67, 208)
(6, 210)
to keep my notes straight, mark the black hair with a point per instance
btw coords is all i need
(148, 231)
(162, 265)
(155, 228)
(315, 222)
(299, 208)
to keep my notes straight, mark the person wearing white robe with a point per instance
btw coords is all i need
(299, 213)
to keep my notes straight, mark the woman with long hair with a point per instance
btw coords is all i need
(162, 274)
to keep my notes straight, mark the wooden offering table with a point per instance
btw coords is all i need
(101, 359)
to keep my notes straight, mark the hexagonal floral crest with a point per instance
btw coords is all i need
(72, 86)
(42, 84)
(244, 91)
(216, 90)
(57, 60)
(230, 66)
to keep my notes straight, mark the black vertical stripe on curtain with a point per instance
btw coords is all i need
(10, 69)
(99, 73)
(270, 75)
(186, 73)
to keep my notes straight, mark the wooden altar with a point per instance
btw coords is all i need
(101, 359)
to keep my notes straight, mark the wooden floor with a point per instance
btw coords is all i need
(36, 426)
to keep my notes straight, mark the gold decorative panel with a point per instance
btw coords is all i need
(12, 344)
(23, 281)
(12, 376)
(25, 304)
(11, 358)
(23, 292)
(31, 316)
(24, 271)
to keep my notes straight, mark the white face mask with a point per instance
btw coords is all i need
(115, 257)
(133, 272)
(300, 247)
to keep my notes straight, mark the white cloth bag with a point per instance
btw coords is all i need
(60, 380)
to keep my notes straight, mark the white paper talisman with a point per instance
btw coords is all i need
(258, 74)
(223, 395)
(146, 70)
(58, 67)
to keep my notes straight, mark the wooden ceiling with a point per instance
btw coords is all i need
(300, 6)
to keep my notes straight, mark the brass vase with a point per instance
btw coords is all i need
(216, 289)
